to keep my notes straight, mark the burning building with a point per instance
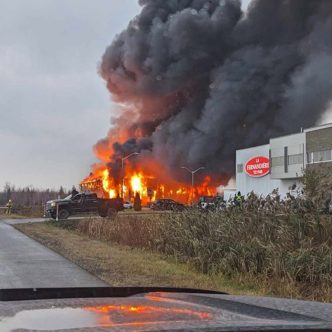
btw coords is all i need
(134, 179)
(195, 80)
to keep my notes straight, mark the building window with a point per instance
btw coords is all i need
(239, 168)
(309, 157)
(295, 159)
(270, 158)
(277, 161)
(319, 156)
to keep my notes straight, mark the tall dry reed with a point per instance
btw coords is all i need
(266, 238)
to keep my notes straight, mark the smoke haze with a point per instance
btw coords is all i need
(197, 79)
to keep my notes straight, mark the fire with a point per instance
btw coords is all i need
(142, 309)
(150, 185)
(136, 184)
(106, 184)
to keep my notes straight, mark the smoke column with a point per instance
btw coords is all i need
(198, 79)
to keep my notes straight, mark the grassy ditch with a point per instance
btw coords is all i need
(20, 212)
(11, 216)
(121, 265)
(287, 250)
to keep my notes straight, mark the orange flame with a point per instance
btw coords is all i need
(136, 184)
(107, 185)
(146, 184)
(138, 315)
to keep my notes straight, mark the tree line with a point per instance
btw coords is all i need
(30, 196)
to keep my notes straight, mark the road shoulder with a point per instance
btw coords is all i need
(25, 263)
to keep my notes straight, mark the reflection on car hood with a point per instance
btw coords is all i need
(165, 311)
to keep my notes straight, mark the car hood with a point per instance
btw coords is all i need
(162, 311)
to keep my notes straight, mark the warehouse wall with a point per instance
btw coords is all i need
(319, 146)
(319, 139)
(244, 183)
(287, 154)
(261, 185)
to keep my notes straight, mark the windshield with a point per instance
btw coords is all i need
(191, 141)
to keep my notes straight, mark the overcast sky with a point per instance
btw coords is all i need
(53, 105)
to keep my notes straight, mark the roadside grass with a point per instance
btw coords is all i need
(144, 212)
(121, 265)
(21, 212)
(280, 252)
(37, 213)
(11, 216)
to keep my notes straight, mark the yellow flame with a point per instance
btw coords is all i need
(136, 184)
(106, 180)
(112, 193)
(106, 184)
(181, 191)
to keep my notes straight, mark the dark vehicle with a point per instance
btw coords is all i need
(167, 205)
(206, 202)
(84, 203)
(211, 203)
(155, 309)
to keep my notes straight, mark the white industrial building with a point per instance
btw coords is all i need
(280, 164)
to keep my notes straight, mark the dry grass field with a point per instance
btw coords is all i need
(121, 265)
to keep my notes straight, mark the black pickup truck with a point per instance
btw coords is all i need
(84, 203)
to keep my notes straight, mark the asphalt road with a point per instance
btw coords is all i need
(25, 263)
(22, 221)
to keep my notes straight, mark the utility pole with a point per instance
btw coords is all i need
(193, 172)
(57, 209)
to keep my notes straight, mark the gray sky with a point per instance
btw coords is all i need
(53, 105)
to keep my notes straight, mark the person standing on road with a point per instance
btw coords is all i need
(9, 206)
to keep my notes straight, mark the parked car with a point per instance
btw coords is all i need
(167, 204)
(211, 203)
(128, 205)
(84, 203)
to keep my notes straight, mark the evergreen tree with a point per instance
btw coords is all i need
(137, 202)
(61, 191)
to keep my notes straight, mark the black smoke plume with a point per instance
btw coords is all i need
(201, 78)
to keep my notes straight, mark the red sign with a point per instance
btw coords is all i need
(257, 166)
